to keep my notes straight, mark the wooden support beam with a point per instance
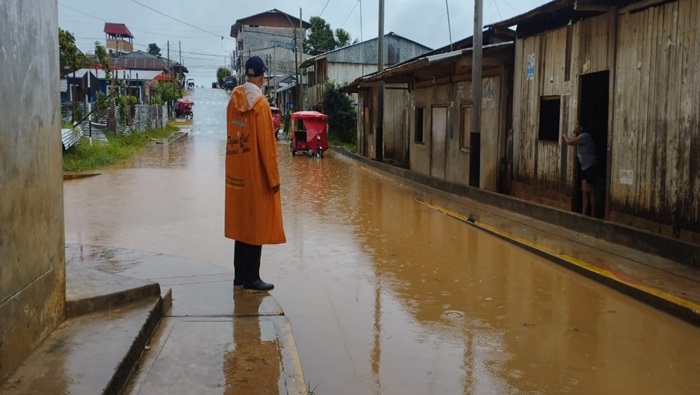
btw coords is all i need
(639, 6)
(593, 7)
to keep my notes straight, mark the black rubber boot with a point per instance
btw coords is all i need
(253, 283)
(239, 258)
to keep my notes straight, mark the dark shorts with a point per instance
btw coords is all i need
(590, 174)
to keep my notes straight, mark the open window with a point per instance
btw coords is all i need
(550, 110)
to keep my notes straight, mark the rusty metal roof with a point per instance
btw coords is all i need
(558, 13)
(397, 73)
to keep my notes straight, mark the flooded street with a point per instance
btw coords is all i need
(384, 294)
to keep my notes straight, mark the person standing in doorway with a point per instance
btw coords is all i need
(253, 208)
(585, 152)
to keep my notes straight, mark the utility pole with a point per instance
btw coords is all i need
(476, 90)
(379, 136)
(268, 76)
(168, 57)
(301, 45)
(296, 64)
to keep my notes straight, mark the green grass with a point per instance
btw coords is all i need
(85, 157)
(335, 141)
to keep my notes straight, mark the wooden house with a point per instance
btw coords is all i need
(427, 114)
(630, 71)
(118, 39)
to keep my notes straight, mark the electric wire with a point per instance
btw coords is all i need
(351, 11)
(324, 8)
(178, 20)
(495, 3)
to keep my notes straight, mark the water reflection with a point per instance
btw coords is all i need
(254, 365)
(385, 295)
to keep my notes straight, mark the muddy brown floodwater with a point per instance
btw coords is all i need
(385, 295)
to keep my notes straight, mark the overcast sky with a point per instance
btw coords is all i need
(203, 49)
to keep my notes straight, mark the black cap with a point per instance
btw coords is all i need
(255, 67)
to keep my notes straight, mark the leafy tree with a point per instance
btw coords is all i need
(102, 59)
(167, 91)
(342, 37)
(70, 57)
(221, 74)
(342, 115)
(321, 38)
(153, 49)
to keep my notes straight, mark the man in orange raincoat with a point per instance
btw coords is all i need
(253, 212)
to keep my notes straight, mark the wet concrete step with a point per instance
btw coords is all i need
(89, 290)
(250, 350)
(89, 354)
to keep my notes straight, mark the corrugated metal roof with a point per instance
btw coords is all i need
(70, 137)
(558, 12)
(117, 29)
(429, 60)
(139, 75)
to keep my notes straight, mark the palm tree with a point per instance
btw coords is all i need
(342, 37)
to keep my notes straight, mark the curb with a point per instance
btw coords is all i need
(671, 304)
(75, 176)
(680, 251)
(126, 366)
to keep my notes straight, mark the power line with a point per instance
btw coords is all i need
(81, 12)
(351, 11)
(324, 8)
(498, 9)
(178, 20)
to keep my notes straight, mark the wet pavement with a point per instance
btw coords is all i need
(385, 292)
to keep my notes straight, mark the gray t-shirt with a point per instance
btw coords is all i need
(586, 151)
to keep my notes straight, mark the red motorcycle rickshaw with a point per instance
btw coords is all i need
(276, 120)
(309, 133)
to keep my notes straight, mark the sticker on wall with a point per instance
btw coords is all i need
(488, 93)
(460, 90)
(531, 67)
(626, 177)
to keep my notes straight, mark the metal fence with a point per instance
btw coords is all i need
(139, 118)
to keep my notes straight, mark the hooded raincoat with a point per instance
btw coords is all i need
(253, 212)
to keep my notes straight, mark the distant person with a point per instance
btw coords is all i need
(585, 152)
(253, 208)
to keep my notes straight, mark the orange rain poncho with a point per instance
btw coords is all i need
(253, 213)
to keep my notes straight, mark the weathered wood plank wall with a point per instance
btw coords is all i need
(550, 65)
(655, 166)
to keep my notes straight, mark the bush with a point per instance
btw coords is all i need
(342, 115)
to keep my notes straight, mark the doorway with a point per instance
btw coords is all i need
(438, 142)
(594, 115)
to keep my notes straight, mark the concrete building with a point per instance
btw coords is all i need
(32, 243)
(274, 36)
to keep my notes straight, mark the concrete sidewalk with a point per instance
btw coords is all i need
(145, 323)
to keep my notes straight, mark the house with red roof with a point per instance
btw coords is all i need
(118, 38)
